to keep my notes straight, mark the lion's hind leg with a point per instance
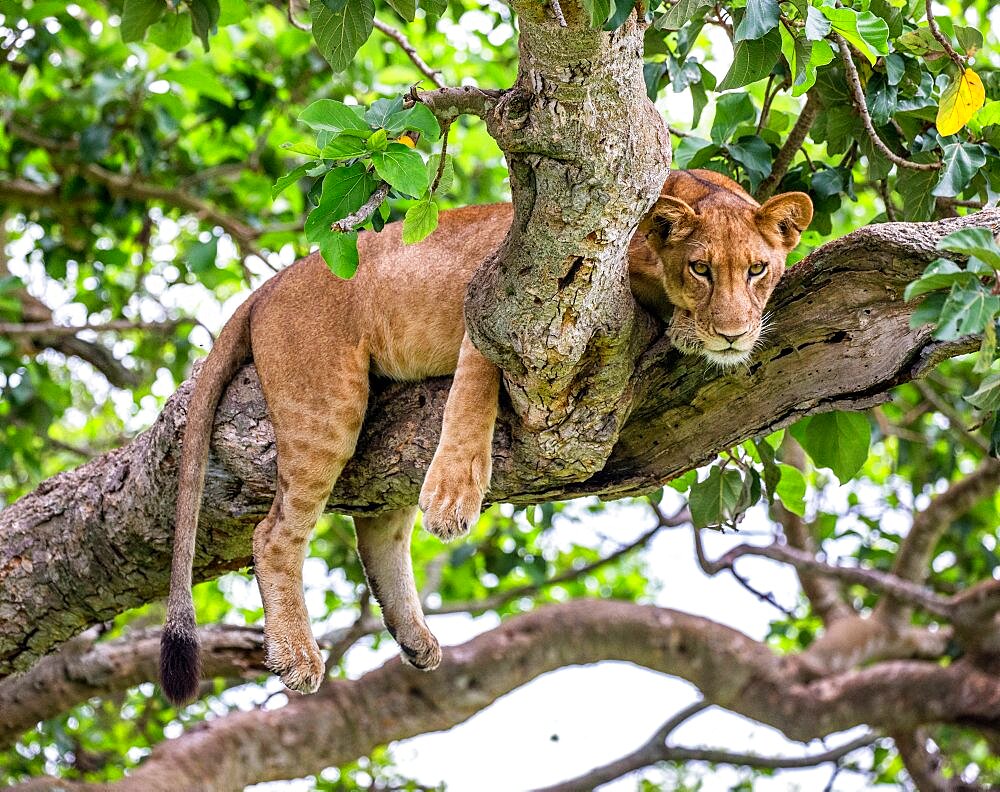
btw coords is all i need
(384, 548)
(316, 427)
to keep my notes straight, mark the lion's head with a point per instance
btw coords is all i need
(721, 254)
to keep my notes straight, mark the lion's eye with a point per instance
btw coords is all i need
(700, 268)
(757, 269)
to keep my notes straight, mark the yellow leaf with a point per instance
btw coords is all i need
(406, 140)
(959, 102)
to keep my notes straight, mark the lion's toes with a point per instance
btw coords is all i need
(420, 650)
(298, 664)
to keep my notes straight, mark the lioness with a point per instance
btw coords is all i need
(707, 254)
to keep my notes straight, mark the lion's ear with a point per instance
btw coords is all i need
(786, 215)
(670, 220)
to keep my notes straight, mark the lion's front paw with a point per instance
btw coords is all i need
(298, 663)
(452, 498)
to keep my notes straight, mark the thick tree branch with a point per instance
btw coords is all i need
(349, 719)
(92, 542)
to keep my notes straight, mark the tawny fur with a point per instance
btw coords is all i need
(315, 339)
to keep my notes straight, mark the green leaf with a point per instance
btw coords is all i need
(989, 114)
(407, 9)
(714, 500)
(731, 111)
(172, 32)
(994, 450)
(753, 153)
(339, 35)
(970, 39)
(693, 152)
(420, 220)
(792, 489)
(377, 141)
(289, 179)
(835, 440)
(863, 29)
(232, 11)
(345, 190)
(772, 474)
(204, 18)
(760, 17)
(960, 162)
(987, 396)
(679, 13)
(447, 174)
(804, 57)
(975, 241)
(598, 11)
(306, 148)
(922, 43)
(344, 147)
(817, 25)
(966, 310)
(340, 252)
(940, 274)
(202, 256)
(382, 110)
(418, 119)
(402, 167)
(332, 116)
(752, 60)
(138, 15)
(621, 11)
(928, 311)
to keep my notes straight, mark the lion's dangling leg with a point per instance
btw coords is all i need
(316, 425)
(384, 548)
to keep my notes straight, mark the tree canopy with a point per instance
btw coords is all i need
(160, 157)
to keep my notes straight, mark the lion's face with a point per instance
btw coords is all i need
(720, 265)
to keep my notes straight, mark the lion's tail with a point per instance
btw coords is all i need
(180, 667)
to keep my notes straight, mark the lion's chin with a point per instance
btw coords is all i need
(727, 358)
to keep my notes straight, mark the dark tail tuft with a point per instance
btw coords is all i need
(180, 662)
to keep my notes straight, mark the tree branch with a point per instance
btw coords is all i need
(790, 148)
(404, 44)
(347, 719)
(92, 542)
(858, 96)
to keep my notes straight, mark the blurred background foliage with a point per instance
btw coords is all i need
(135, 202)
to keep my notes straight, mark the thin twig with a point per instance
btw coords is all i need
(858, 96)
(445, 129)
(557, 10)
(53, 330)
(293, 20)
(942, 40)
(404, 44)
(366, 211)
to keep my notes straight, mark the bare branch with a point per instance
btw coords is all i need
(340, 722)
(49, 330)
(447, 104)
(942, 40)
(404, 44)
(858, 96)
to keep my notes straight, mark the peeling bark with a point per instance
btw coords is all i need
(92, 542)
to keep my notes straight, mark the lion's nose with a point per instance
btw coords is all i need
(732, 339)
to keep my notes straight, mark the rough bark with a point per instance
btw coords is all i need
(89, 543)
(347, 719)
(587, 154)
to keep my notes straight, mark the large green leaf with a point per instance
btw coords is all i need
(731, 111)
(714, 501)
(332, 116)
(791, 489)
(987, 396)
(418, 119)
(345, 190)
(966, 311)
(420, 220)
(204, 18)
(403, 168)
(835, 440)
(960, 163)
(940, 274)
(339, 35)
(760, 17)
(138, 15)
(172, 32)
(679, 13)
(863, 29)
(752, 60)
(976, 241)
